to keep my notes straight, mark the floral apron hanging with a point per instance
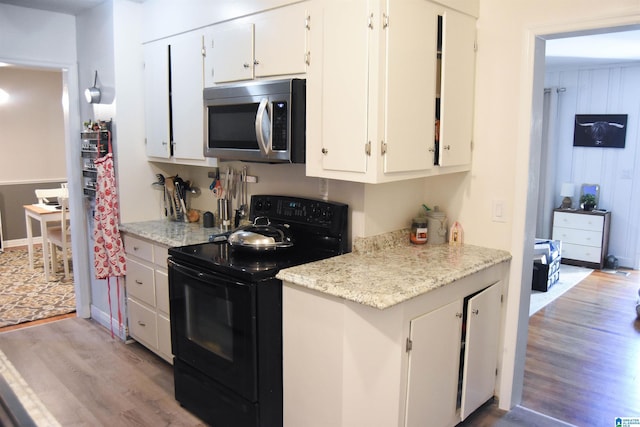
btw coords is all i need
(108, 251)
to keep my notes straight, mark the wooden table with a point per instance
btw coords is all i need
(44, 214)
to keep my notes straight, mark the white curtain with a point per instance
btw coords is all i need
(548, 156)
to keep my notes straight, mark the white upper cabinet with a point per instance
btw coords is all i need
(229, 54)
(457, 88)
(186, 96)
(372, 84)
(156, 91)
(266, 44)
(174, 109)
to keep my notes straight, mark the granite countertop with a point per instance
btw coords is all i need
(386, 270)
(170, 233)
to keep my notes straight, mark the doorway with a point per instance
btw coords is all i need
(72, 154)
(551, 180)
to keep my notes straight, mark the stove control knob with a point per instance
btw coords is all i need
(267, 205)
(259, 205)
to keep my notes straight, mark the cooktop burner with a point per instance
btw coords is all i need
(318, 228)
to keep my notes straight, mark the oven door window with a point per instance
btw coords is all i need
(210, 322)
(213, 326)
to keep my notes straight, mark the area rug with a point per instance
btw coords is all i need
(569, 277)
(26, 295)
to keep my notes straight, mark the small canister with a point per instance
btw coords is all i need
(437, 223)
(419, 231)
(207, 220)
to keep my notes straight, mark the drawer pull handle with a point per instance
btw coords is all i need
(459, 315)
(138, 282)
(135, 248)
(141, 323)
(476, 311)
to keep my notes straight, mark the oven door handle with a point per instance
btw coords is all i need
(201, 276)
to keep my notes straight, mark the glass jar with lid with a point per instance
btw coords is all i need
(419, 231)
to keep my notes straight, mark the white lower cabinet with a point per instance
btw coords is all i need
(147, 288)
(429, 361)
(464, 331)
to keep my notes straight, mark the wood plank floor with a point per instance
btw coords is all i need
(86, 378)
(582, 366)
(583, 353)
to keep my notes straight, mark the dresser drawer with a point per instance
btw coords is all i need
(139, 248)
(142, 323)
(139, 282)
(579, 237)
(581, 253)
(578, 221)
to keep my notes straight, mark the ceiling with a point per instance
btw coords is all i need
(69, 7)
(607, 48)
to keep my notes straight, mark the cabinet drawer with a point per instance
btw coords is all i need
(160, 255)
(581, 253)
(139, 282)
(164, 337)
(139, 248)
(578, 221)
(142, 323)
(162, 291)
(578, 237)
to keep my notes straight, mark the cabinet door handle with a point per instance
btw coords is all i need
(459, 315)
(325, 151)
(245, 65)
(141, 323)
(447, 147)
(138, 282)
(476, 311)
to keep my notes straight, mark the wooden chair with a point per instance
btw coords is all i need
(44, 194)
(59, 236)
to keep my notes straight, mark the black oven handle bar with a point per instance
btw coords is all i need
(210, 279)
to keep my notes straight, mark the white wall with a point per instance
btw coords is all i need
(31, 126)
(602, 90)
(508, 119)
(48, 40)
(30, 36)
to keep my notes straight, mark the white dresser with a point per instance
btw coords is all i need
(584, 236)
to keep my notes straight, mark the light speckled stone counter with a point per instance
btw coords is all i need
(386, 270)
(170, 233)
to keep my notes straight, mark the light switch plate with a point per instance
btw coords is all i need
(498, 211)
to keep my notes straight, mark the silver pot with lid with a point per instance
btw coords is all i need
(261, 236)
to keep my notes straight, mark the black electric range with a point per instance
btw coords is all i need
(226, 313)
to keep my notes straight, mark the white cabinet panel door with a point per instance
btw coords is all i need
(481, 349)
(457, 90)
(433, 367)
(186, 96)
(411, 85)
(229, 54)
(156, 96)
(280, 41)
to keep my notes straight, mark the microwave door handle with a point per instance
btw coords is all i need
(265, 146)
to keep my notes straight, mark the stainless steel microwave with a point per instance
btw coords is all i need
(256, 122)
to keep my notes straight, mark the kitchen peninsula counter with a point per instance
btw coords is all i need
(170, 233)
(386, 270)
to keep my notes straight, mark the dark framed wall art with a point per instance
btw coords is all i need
(600, 130)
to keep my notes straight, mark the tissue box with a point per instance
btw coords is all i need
(546, 264)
